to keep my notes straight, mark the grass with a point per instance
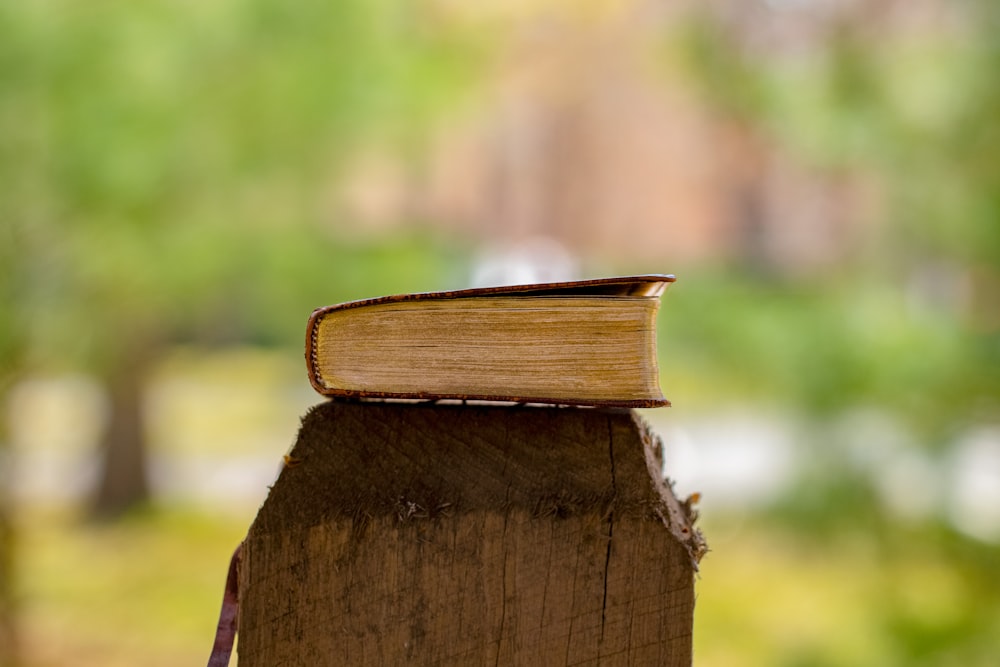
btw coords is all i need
(145, 590)
(771, 596)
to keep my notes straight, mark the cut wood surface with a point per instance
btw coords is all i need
(469, 535)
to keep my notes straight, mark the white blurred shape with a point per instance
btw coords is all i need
(734, 460)
(534, 260)
(906, 479)
(910, 485)
(873, 438)
(54, 423)
(223, 482)
(974, 504)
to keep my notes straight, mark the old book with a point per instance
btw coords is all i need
(588, 342)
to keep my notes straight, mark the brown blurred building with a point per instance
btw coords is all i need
(591, 135)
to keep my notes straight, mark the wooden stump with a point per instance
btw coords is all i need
(469, 535)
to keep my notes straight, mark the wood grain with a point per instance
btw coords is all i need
(469, 535)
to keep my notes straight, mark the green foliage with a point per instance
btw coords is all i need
(821, 347)
(910, 324)
(169, 165)
(917, 112)
(908, 328)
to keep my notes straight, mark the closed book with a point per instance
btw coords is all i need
(589, 342)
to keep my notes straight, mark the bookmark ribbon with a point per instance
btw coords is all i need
(225, 633)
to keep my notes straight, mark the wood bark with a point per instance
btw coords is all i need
(469, 535)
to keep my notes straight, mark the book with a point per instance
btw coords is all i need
(589, 342)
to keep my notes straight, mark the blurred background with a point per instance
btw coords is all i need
(181, 183)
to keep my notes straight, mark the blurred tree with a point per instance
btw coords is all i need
(909, 104)
(911, 327)
(173, 166)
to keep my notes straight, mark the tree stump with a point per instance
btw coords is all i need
(469, 535)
